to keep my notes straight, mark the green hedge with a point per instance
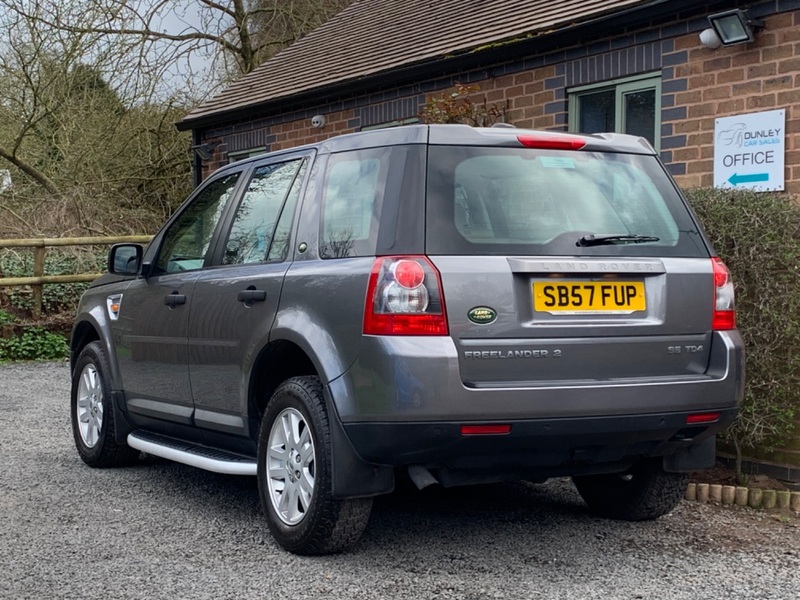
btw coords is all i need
(758, 237)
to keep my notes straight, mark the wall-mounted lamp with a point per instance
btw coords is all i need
(204, 151)
(318, 121)
(729, 28)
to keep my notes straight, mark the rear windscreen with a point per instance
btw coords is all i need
(543, 202)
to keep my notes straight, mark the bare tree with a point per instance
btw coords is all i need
(90, 91)
(241, 33)
(84, 154)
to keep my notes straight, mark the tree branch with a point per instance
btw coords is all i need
(32, 172)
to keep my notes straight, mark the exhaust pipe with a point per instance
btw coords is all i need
(421, 476)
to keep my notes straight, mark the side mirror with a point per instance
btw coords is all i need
(125, 259)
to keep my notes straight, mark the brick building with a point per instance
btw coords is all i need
(581, 65)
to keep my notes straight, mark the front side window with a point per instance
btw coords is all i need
(253, 228)
(188, 238)
(626, 106)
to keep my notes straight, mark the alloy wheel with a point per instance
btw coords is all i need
(290, 466)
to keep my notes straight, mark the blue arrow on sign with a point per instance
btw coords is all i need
(736, 179)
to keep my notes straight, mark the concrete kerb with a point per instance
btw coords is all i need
(729, 495)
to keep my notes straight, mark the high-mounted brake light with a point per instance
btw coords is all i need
(404, 297)
(724, 306)
(551, 142)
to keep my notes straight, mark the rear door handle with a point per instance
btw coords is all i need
(248, 296)
(174, 299)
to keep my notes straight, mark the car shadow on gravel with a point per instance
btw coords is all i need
(407, 516)
(439, 510)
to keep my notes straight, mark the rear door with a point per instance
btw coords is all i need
(563, 266)
(235, 300)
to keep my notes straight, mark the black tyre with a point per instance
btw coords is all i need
(645, 492)
(93, 414)
(294, 474)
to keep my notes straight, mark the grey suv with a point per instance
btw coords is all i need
(452, 304)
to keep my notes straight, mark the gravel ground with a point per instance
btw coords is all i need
(163, 530)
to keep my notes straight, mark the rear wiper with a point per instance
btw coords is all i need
(602, 240)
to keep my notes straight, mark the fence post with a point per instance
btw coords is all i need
(38, 271)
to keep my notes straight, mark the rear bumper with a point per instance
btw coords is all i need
(414, 380)
(403, 403)
(545, 447)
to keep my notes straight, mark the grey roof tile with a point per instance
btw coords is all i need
(377, 36)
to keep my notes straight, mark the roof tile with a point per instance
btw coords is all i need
(375, 36)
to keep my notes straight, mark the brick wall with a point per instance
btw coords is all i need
(705, 84)
(698, 85)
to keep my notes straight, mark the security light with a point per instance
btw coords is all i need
(710, 39)
(734, 26)
(204, 151)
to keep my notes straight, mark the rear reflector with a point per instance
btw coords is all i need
(551, 142)
(702, 418)
(485, 429)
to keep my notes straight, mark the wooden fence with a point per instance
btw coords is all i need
(40, 246)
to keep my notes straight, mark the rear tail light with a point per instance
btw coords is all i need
(724, 308)
(404, 297)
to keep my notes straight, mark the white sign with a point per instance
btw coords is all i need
(750, 150)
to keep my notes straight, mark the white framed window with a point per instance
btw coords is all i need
(631, 105)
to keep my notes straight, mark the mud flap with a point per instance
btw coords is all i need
(352, 476)
(692, 458)
(121, 425)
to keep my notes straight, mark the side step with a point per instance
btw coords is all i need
(193, 455)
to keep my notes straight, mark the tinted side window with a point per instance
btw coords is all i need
(253, 229)
(280, 241)
(187, 240)
(352, 197)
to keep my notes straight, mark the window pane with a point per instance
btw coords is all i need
(251, 233)
(640, 114)
(597, 112)
(280, 241)
(485, 201)
(350, 190)
(187, 240)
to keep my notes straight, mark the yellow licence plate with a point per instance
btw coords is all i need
(589, 297)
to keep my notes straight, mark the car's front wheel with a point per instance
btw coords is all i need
(644, 492)
(93, 414)
(294, 474)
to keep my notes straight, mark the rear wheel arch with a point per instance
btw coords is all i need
(278, 361)
(282, 360)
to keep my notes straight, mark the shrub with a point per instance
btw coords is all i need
(458, 107)
(35, 343)
(758, 237)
